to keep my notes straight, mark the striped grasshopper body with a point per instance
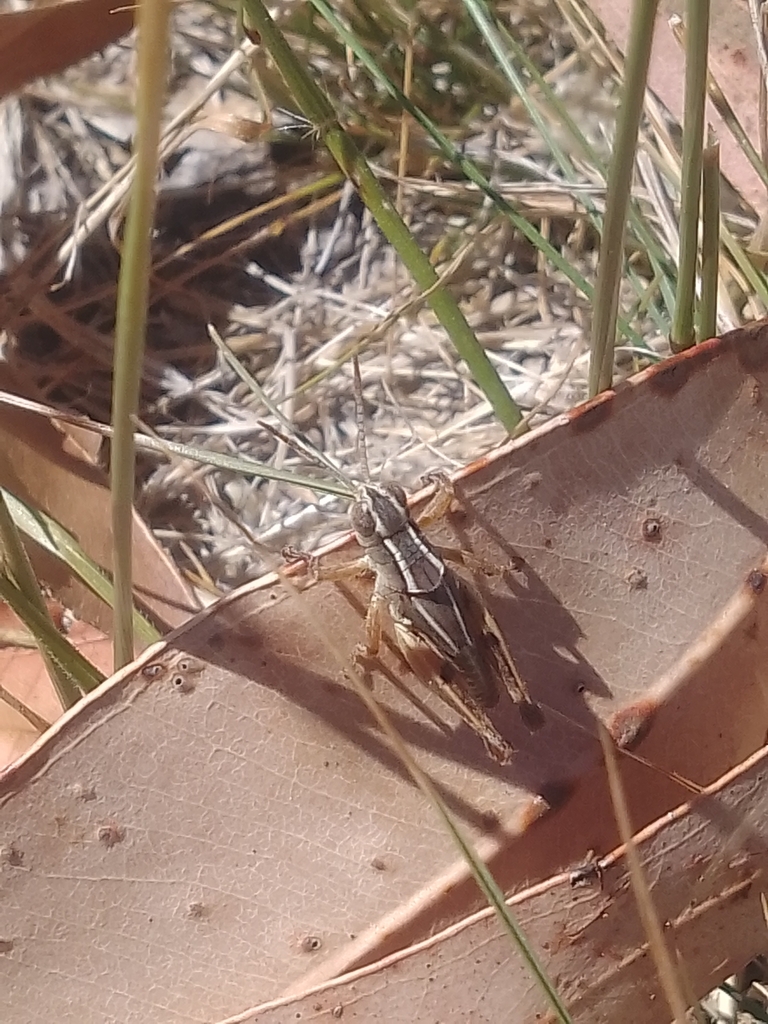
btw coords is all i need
(443, 628)
(445, 632)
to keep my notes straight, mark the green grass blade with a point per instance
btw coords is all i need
(470, 169)
(619, 185)
(726, 111)
(317, 109)
(710, 241)
(454, 155)
(696, 44)
(82, 676)
(58, 542)
(659, 259)
(18, 571)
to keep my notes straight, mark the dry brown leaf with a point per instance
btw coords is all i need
(47, 38)
(24, 675)
(39, 465)
(733, 62)
(245, 819)
(707, 862)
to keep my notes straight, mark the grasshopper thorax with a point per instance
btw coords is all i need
(379, 512)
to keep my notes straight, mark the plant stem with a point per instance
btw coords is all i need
(696, 44)
(710, 241)
(132, 299)
(619, 183)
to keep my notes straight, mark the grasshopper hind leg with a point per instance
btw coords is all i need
(473, 715)
(428, 667)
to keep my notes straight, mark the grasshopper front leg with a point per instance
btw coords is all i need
(356, 569)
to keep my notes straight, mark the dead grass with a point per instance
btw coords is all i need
(260, 239)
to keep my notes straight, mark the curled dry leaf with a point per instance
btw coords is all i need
(46, 39)
(263, 819)
(47, 468)
(24, 678)
(707, 861)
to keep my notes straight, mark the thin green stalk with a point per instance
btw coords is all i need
(315, 106)
(457, 158)
(447, 148)
(710, 241)
(132, 299)
(17, 566)
(235, 464)
(696, 46)
(606, 303)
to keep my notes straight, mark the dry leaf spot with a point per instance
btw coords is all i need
(651, 529)
(81, 791)
(187, 665)
(311, 944)
(6, 945)
(153, 670)
(378, 864)
(197, 910)
(552, 795)
(738, 57)
(637, 579)
(531, 480)
(110, 835)
(177, 667)
(756, 581)
(12, 855)
(182, 684)
(217, 641)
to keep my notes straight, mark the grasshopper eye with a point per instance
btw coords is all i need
(362, 520)
(397, 492)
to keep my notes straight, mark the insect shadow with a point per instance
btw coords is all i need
(239, 644)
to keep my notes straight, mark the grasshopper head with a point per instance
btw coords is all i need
(379, 511)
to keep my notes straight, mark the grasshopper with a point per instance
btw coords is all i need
(442, 627)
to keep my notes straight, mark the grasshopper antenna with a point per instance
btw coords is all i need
(362, 448)
(289, 434)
